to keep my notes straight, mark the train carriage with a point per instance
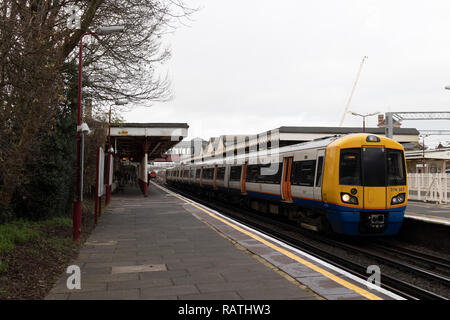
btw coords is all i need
(354, 184)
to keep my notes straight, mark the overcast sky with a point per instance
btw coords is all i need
(248, 66)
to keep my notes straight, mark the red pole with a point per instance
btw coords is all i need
(97, 178)
(108, 167)
(100, 207)
(78, 188)
(364, 124)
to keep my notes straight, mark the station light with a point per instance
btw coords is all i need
(108, 30)
(77, 204)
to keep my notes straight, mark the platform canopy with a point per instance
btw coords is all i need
(440, 154)
(132, 140)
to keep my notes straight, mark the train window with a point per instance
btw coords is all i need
(303, 173)
(255, 173)
(319, 172)
(273, 171)
(208, 173)
(396, 175)
(220, 173)
(350, 167)
(235, 173)
(374, 167)
(252, 173)
(197, 173)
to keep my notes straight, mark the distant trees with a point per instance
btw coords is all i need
(37, 69)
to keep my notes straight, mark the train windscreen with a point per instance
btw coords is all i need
(350, 167)
(396, 174)
(372, 167)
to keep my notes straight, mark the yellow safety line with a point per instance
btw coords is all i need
(310, 265)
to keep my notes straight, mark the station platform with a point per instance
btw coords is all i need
(428, 212)
(165, 247)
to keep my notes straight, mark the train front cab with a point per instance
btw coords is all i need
(369, 174)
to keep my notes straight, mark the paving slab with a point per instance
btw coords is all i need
(156, 248)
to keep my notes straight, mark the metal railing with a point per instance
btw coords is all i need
(433, 187)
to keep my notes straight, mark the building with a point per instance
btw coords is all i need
(228, 145)
(434, 161)
(185, 149)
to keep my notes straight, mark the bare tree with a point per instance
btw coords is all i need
(35, 44)
(126, 64)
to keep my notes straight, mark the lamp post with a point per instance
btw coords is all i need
(110, 151)
(364, 117)
(79, 167)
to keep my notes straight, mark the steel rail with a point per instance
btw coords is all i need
(437, 262)
(400, 287)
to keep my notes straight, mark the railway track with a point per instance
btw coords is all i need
(378, 253)
(431, 260)
(269, 226)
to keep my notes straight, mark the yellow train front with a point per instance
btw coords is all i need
(365, 185)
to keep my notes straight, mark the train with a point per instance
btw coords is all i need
(353, 184)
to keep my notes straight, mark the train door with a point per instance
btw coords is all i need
(286, 179)
(243, 178)
(201, 176)
(215, 177)
(374, 177)
(226, 179)
(320, 164)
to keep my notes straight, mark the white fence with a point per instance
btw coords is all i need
(433, 187)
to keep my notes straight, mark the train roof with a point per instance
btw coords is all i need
(318, 143)
(315, 144)
(346, 130)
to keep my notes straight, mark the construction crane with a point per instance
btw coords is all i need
(353, 90)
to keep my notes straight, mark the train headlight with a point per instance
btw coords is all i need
(398, 199)
(347, 198)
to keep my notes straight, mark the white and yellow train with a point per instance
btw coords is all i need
(354, 184)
